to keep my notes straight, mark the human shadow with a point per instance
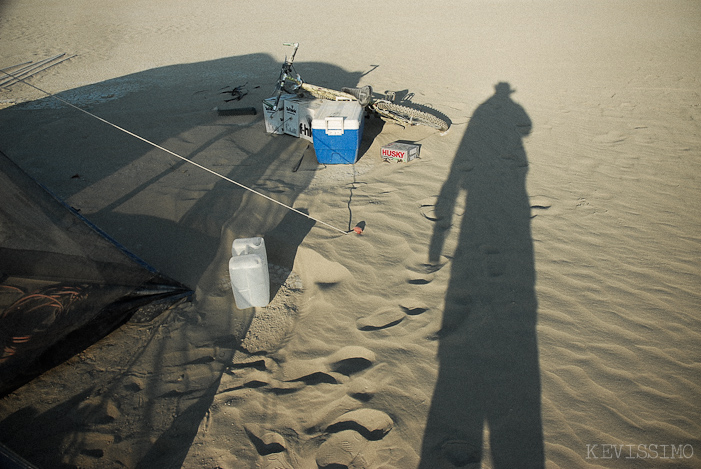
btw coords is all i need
(488, 386)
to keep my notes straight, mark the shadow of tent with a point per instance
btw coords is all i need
(83, 161)
(64, 284)
(122, 184)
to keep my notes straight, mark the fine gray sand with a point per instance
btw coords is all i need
(525, 294)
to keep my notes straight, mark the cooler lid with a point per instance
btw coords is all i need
(337, 116)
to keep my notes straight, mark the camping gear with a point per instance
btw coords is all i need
(238, 111)
(21, 74)
(64, 284)
(275, 118)
(337, 130)
(11, 460)
(289, 81)
(298, 116)
(248, 270)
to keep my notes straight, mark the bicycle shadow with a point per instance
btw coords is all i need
(488, 383)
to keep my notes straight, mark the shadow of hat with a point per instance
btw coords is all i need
(503, 88)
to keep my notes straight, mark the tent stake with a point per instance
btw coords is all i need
(39, 67)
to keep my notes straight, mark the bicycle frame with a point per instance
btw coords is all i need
(286, 75)
(289, 80)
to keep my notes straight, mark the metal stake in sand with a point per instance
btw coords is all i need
(31, 70)
(177, 156)
(15, 66)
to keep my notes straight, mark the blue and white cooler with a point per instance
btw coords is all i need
(337, 129)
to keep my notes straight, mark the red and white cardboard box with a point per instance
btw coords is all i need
(397, 151)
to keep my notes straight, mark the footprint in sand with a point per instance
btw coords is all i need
(345, 449)
(420, 273)
(270, 445)
(391, 315)
(359, 392)
(413, 306)
(332, 369)
(427, 207)
(266, 442)
(252, 372)
(419, 278)
(316, 269)
(381, 319)
(540, 202)
(372, 424)
(362, 389)
(259, 362)
(321, 418)
(351, 442)
(351, 359)
(275, 461)
(256, 380)
(542, 205)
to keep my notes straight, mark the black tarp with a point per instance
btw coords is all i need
(64, 284)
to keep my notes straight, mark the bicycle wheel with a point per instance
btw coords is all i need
(326, 93)
(409, 116)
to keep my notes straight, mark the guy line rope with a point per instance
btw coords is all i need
(175, 154)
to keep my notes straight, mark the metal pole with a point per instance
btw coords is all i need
(38, 67)
(14, 66)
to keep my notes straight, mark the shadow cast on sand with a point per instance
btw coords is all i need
(177, 218)
(488, 389)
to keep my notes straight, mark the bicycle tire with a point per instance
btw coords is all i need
(409, 116)
(327, 93)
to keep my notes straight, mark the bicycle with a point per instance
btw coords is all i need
(290, 81)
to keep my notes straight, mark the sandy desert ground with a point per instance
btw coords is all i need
(525, 294)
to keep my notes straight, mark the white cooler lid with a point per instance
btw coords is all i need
(337, 116)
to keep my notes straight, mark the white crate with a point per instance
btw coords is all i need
(299, 115)
(274, 120)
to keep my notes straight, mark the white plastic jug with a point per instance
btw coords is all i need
(248, 270)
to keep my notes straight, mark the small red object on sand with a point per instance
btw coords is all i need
(359, 227)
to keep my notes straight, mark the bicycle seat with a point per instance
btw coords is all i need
(363, 95)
